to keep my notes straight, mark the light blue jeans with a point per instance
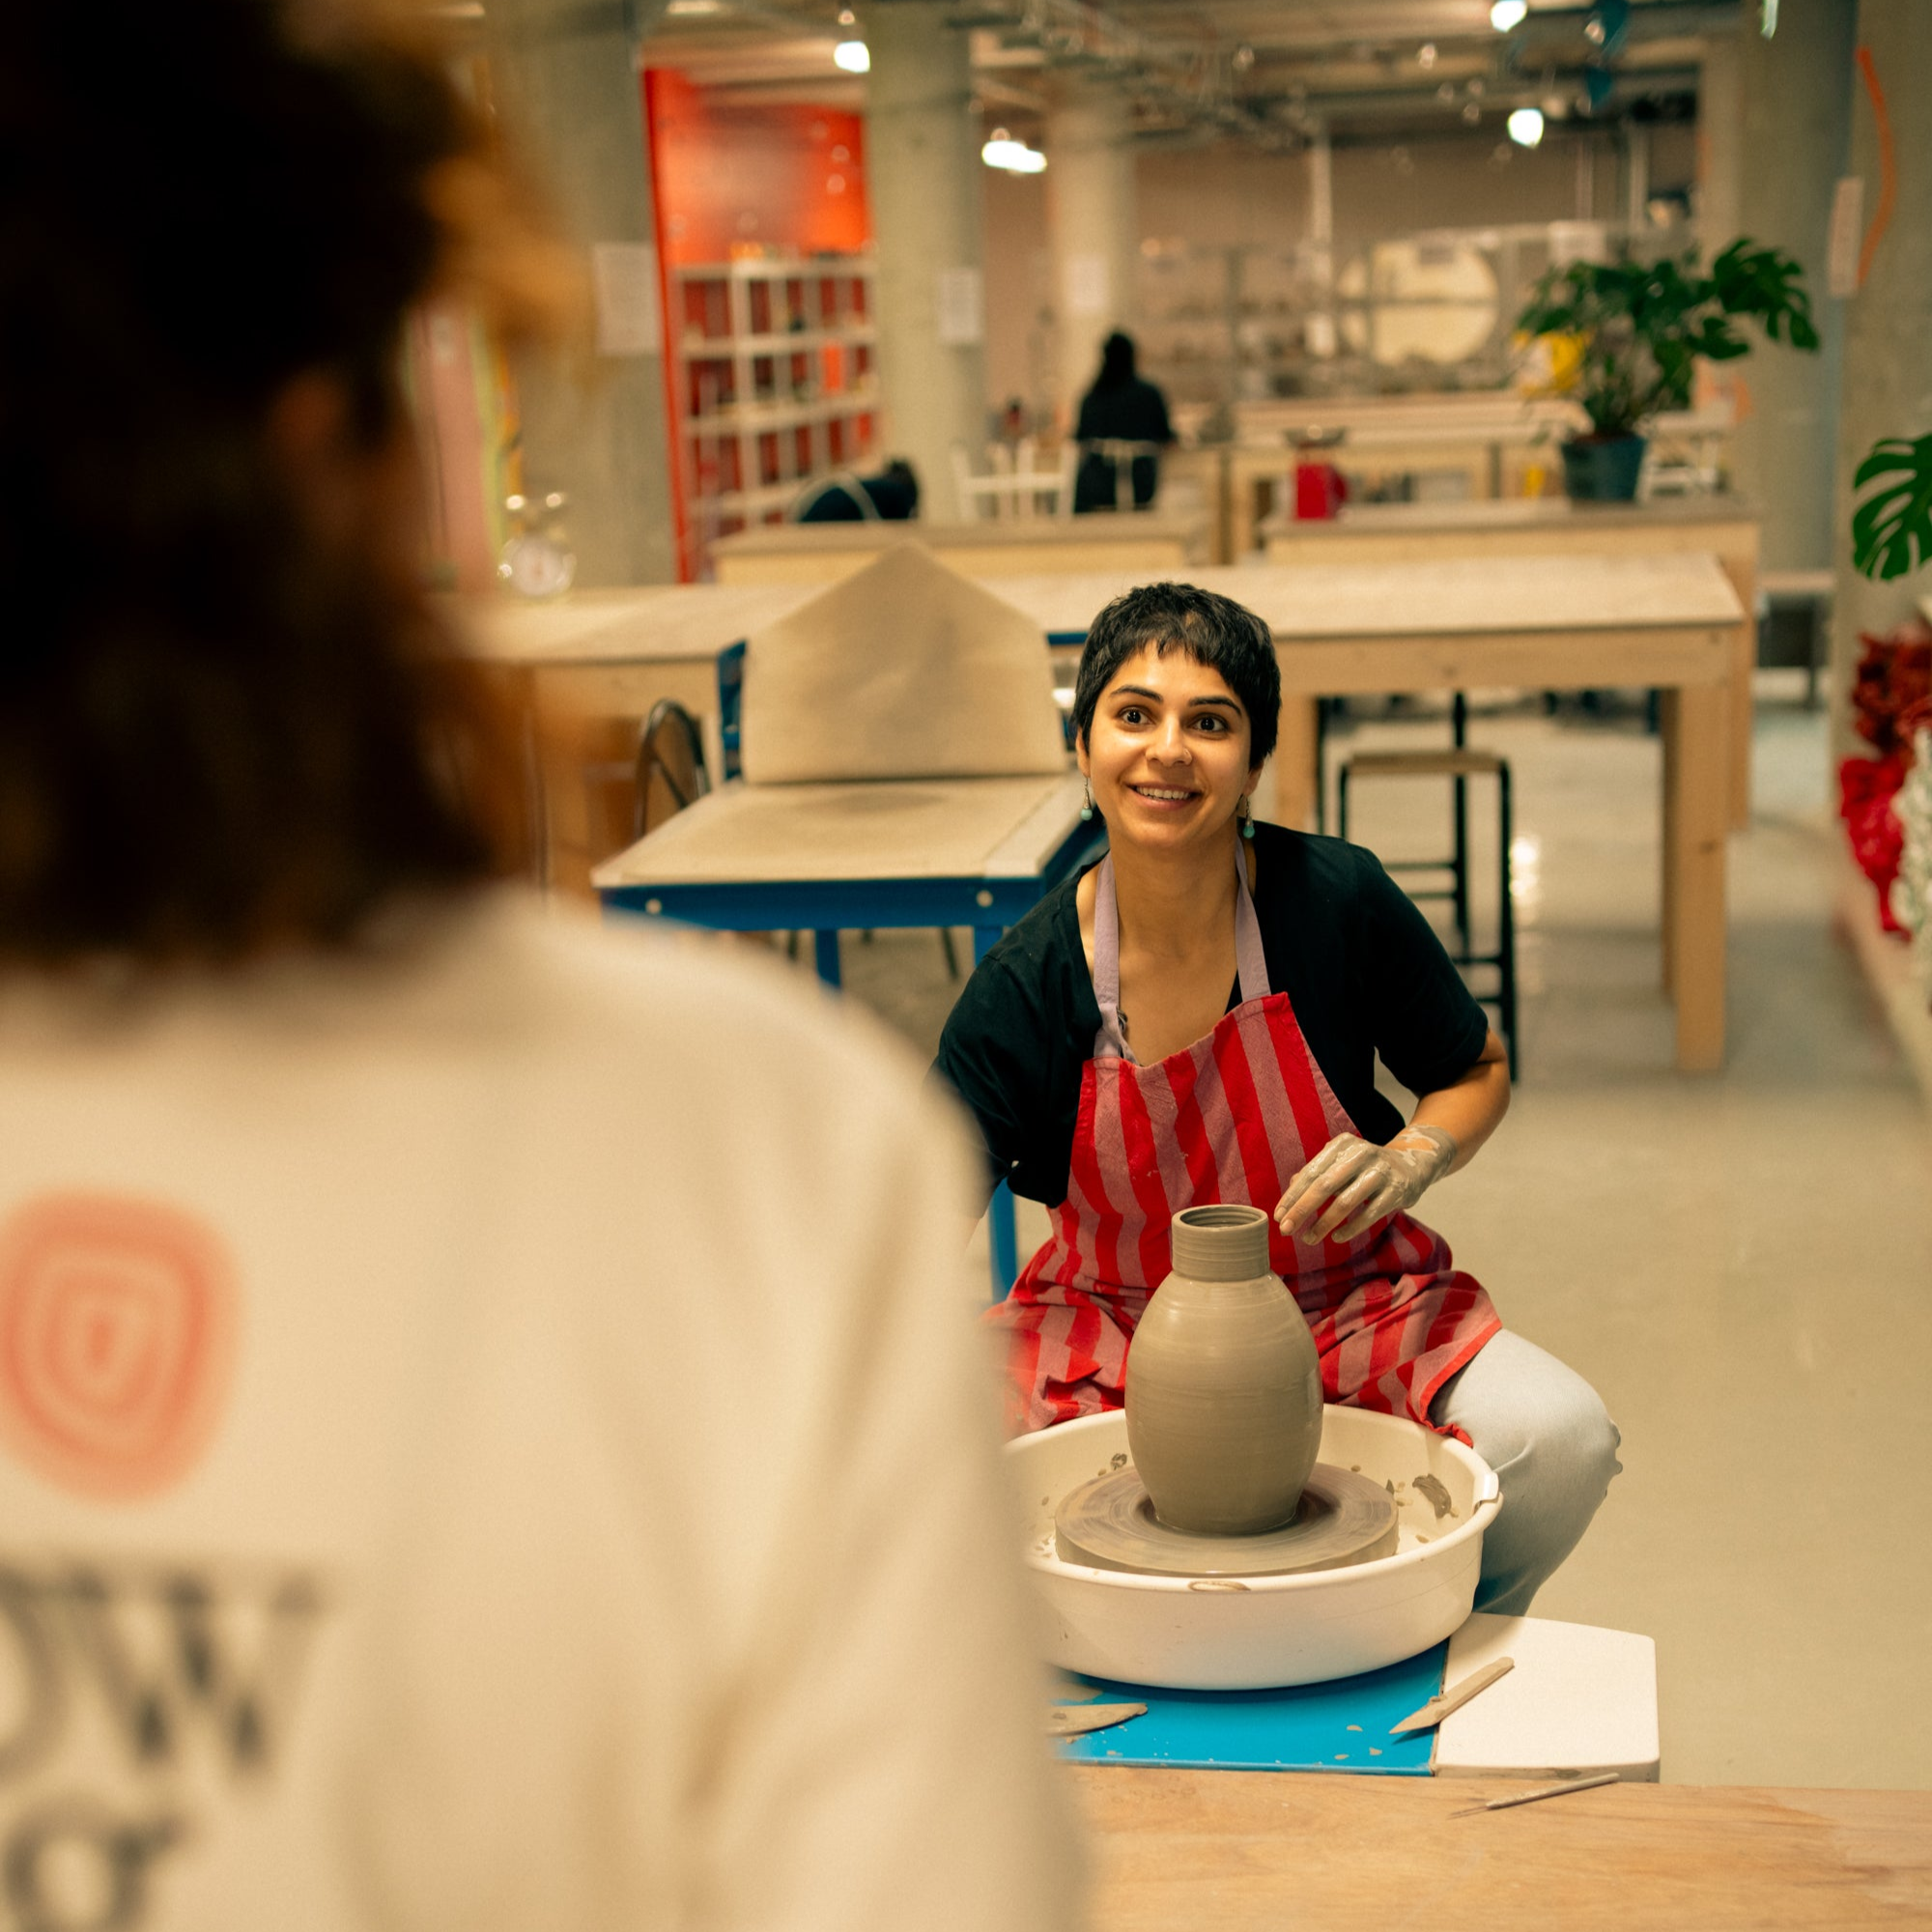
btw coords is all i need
(1544, 1431)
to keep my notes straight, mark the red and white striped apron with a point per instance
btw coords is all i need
(1232, 1117)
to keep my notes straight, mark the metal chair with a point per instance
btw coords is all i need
(1014, 488)
(671, 772)
(1459, 764)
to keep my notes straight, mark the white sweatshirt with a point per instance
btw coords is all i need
(491, 1438)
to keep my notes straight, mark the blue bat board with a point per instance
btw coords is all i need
(1343, 1725)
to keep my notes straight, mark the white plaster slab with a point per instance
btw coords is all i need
(933, 828)
(1578, 1700)
(904, 669)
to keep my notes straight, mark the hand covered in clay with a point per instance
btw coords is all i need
(1351, 1184)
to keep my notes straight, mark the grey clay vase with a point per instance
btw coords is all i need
(1223, 1388)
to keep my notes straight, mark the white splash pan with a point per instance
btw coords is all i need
(1222, 1634)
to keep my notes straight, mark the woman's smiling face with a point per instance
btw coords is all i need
(1167, 755)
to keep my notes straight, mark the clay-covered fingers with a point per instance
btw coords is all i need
(1358, 1205)
(1321, 1180)
(1389, 1198)
(1311, 1185)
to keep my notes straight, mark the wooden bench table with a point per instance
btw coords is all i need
(1725, 528)
(1173, 1851)
(1558, 622)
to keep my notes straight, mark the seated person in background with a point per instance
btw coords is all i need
(1266, 972)
(890, 496)
(459, 1466)
(1120, 407)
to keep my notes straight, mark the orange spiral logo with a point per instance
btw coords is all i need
(117, 1331)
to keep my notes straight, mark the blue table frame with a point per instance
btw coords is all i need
(826, 907)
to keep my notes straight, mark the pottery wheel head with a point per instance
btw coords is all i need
(1343, 1518)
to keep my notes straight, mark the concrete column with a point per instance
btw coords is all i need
(1094, 224)
(1887, 364)
(1795, 101)
(1320, 319)
(923, 170)
(1721, 142)
(566, 74)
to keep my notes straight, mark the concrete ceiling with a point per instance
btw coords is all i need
(1269, 71)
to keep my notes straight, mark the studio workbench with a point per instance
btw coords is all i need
(1220, 1851)
(1490, 531)
(1564, 622)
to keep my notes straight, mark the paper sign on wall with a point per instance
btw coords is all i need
(624, 276)
(1841, 247)
(962, 308)
(1087, 290)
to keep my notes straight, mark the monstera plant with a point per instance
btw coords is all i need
(1891, 529)
(1635, 331)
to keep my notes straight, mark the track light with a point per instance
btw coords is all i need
(1015, 156)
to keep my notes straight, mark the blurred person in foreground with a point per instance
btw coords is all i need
(458, 1465)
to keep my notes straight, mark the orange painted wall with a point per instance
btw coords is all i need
(785, 178)
(790, 177)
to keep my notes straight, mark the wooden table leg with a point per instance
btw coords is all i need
(1293, 767)
(1696, 771)
(1740, 565)
(1667, 714)
(1744, 661)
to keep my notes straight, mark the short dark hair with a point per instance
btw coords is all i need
(1212, 629)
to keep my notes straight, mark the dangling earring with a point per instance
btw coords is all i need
(1086, 805)
(1245, 816)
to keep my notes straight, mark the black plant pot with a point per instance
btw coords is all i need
(1602, 469)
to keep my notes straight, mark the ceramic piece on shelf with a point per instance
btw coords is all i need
(1223, 1390)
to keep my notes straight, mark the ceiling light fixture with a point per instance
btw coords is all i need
(1002, 151)
(1508, 14)
(1525, 126)
(852, 57)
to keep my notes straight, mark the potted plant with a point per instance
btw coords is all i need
(1635, 331)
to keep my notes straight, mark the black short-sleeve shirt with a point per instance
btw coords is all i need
(1364, 970)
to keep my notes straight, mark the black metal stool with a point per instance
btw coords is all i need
(1461, 764)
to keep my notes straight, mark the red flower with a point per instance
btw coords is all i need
(1865, 788)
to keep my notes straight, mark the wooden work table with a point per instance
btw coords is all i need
(824, 552)
(1565, 622)
(1725, 528)
(1558, 623)
(1226, 1850)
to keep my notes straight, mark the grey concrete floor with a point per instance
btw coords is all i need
(1741, 1263)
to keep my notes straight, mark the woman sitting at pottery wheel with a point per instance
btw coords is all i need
(1197, 1018)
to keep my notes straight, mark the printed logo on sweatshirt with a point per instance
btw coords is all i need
(142, 1703)
(118, 1322)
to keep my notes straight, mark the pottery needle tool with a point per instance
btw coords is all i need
(1439, 1707)
(1547, 1791)
(1072, 1720)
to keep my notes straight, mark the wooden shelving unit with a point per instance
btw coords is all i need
(777, 382)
